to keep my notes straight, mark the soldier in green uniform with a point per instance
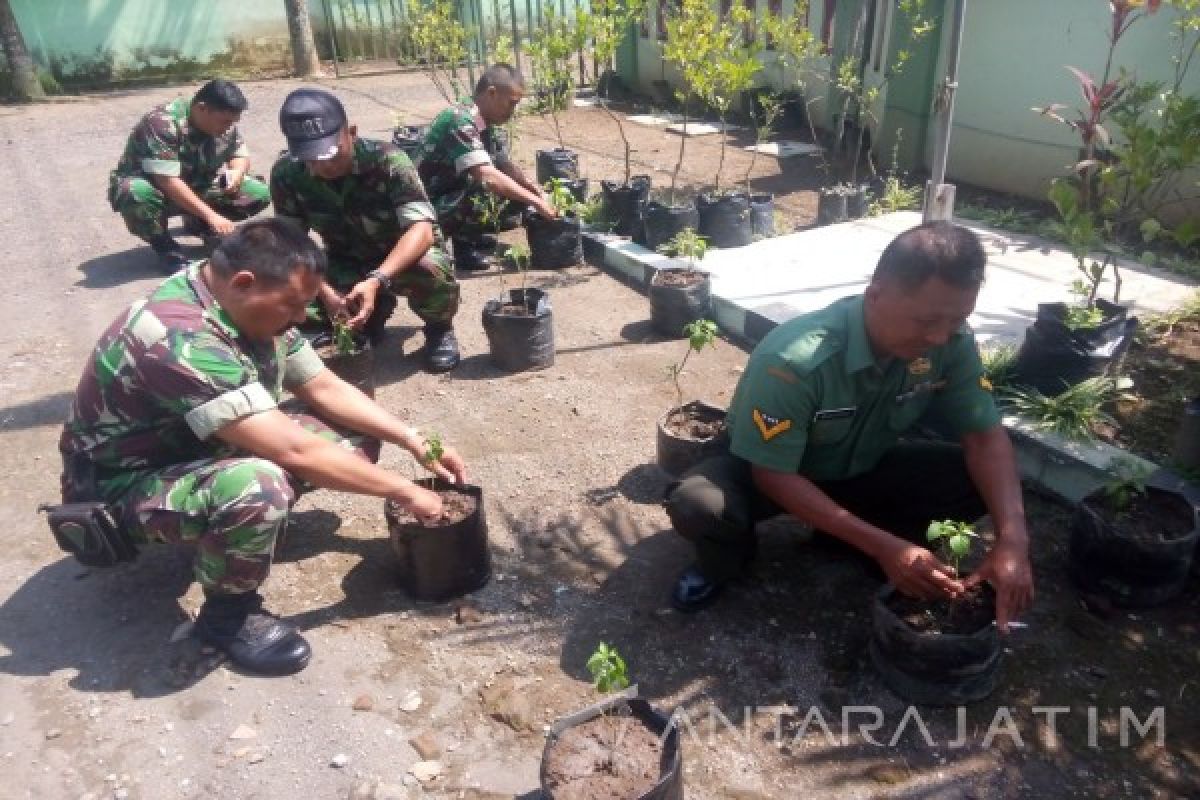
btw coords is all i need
(816, 427)
(176, 425)
(187, 157)
(380, 232)
(462, 161)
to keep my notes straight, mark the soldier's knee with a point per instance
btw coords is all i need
(139, 192)
(696, 506)
(256, 485)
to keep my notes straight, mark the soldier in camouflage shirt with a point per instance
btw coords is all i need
(381, 235)
(462, 162)
(176, 425)
(187, 157)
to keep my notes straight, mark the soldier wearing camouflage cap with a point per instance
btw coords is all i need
(462, 159)
(176, 425)
(187, 157)
(380, 232)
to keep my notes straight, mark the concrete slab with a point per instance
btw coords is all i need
(702, 128)
(784, 148)
(655, 120)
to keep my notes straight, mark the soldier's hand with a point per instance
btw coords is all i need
(449, 467)
(333, 303)
(233, 183)
(545, 209)
(918, 573)
(220, 225)
(423, 504)
(360, 302)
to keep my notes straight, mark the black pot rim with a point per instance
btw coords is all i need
(887, 590)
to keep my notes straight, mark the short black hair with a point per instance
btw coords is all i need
(272, 249)
(502, 76)
(221, 95)
(935, 249)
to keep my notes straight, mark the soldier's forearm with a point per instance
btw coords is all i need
(493, 180)
(337, 402)
(409, 249)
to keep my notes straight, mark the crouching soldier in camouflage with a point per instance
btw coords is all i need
(380, 233)
(176, 426)
(462, 161)
(187, 157)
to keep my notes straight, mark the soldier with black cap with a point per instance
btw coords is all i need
(380, 232)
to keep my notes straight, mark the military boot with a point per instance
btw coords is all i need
(254, 639)
(441, 348)
(171, 257)
(467, 257)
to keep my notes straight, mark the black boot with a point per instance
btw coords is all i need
(194, 226)
(484, 242)
(385, 304)
(171, 257)
(467, 257)
(441, 348)
(252, 638)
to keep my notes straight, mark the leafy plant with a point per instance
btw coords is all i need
(799, 50)
(896, 197)
(686, 244)
(764, 124)
(953, 538)
(1000, 365)
(609, 22)
(1009, 219)
(608, 675)
(433, 454)
(700, 334)
(561, 196)
(550, 48)
(593, 213)
(1128, 485)
(441, 42)
(518, 255)
(343, 336)
(1073, 413)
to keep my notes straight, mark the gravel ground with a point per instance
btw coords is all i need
(97, 701)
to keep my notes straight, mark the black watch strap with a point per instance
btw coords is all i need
(384, 281)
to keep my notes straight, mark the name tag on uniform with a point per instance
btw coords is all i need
(835, 413)
(920, 388)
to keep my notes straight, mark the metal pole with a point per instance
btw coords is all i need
(516, 34)
(939, 195)
(337, 71)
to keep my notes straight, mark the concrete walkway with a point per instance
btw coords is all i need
(758, 286)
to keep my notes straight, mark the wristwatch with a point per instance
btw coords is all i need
(385, 282)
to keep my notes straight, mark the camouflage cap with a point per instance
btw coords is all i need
(312, 120)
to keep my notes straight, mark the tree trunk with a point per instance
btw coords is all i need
(25, 79)
(304, 49)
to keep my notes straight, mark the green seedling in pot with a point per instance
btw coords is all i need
(561, 196)
(608, 675)
(343, 336)
(1128, 485)
(518, 256)
(700, 334)
(434, 450)
(954, 539)
(686, 244)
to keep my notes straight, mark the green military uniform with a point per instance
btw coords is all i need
(361, 216)
(164, 378)
(164, 143)
(458, 140)
(814, 400)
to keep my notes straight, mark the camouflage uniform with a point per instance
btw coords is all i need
(163, 379)
(361, 217)
(457, 140)
(164, 143)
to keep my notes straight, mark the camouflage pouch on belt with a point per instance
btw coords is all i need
(88, 532)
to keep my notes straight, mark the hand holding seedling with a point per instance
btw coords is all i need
(361, 302)
(954, 538)
(442, 461)
(916, 572)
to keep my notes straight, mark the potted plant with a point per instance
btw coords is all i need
(625, 201)
(348, 355)
(690, 432)
(441, 42)
(550, 48)
(729, 71)
(557, 242)
(943, 652)
(449, 556)
(680, 296)
(1133, 539)
(621, 747)
(519, 324)
(762, 204)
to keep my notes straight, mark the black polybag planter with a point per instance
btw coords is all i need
(1186, 450)
(520, 342)
(762, 215)
(672, 307)
(857, 201)
(1053, 357)
(624, 205)
(676, 455)
(831, 206)
(554, 243)
(670, 781)
(411, 140)
(437, 564)
(578, 189)
(939, 669)
(560, 162)
(662, 222)
(357, 368)
(725, 219)
(1132, 573)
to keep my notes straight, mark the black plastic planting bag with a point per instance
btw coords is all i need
(673, 306)
(624, 205)
(435, 564)
(553, 243)
(662, 222)
(410, 139)
(762, 215)
(1053, 356)
(557, 163)
(725, 219)
(520, 341)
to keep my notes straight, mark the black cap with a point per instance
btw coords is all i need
(312, 120)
